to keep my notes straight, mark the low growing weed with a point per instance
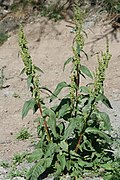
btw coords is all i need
(74, 134)
(23, 134)
(3, 37)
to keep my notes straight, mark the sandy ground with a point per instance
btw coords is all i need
(50, 45)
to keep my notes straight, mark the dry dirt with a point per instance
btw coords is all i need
(50, 45)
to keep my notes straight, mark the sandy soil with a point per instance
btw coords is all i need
(50, 45)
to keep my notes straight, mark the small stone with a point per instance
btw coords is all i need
(18, 178)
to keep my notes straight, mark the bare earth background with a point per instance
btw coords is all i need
(50, 45)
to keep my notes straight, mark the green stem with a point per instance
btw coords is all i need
(77, 87)
(81, 134)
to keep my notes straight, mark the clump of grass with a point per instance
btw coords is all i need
(4, 164)
(3, 37)
(23, 134)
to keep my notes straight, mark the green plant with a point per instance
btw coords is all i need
(14, 172)
(4, 164)
(2, 77)
(74, 134)
(112, 6)
(52, 11)
(3, 37)
(19, 158)
(23, 134)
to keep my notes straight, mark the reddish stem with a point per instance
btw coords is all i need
(78, 144)
(45, 123)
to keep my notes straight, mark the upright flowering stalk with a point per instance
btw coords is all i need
(100, 72)
(32, 80)
(78, 45)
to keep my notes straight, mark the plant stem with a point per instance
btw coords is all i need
(45, 123)
(77, 87)
(79, 141)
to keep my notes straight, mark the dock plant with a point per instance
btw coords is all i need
(74, 135)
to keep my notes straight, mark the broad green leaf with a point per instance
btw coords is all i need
(51, 148)
(84, 89)
(88, 104)
(29, 80)
(104, 100)
(97, 131)
(64, 146)
(75, 123)
(86, 71)
(67, 62)
(107, 166)
(51, 120)
(62, 160)
(23, 70)
(104, 116)
(68, 165)
(58, 89)
(38, 69)
(36, 171)
(85, 163)
(61, 127)
(27, 106)
(35, 155)
(47, 162)
(63, 102)
(69, 130)
(58, 170)
(74, 155)
(65, 109)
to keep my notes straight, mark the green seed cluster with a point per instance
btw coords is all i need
(29, 66)
(79, 18)
(78, 45)
(25, 55)
(100, 72)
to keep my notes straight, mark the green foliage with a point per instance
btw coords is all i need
(2, 77)
(3, 37)
(112, 6)
(4, 164)
(52, 11)
(19, 158)
(74, 134)
(23, 134)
